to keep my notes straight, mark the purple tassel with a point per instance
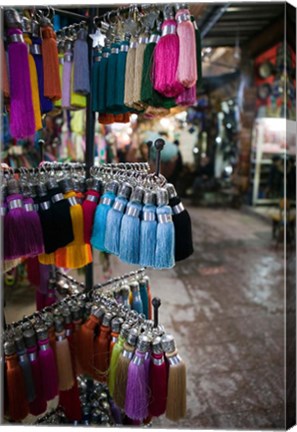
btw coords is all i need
(116, 413)
(136, 404)
(34, 230)
(187, 97)
(22, 122)
(46, 104)
(48, 366)
(4, 228)
(44, 278)
(81, 82)
(16, 229)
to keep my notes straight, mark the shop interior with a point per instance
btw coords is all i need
(114, 126)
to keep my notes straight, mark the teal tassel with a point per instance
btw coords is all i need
(148, 232)
(99, 228)
(95, 81)
(113, 225)
(144, 298)
(130, 234)
(111, 78)
(164, 257)
(102, 80)
(120, 78)
(136, 299)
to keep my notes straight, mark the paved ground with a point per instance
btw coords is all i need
(225, 306)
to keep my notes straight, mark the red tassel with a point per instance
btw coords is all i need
(33, 272)
(158, 384)
(52, 85)
(101, 359)
(38, 406)
(18, 407)
(89, 208)
(48, 365)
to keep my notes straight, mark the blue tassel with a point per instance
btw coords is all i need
(144, 298)
(164, 257)
(130, 234)
(114, 219)
(99, 227)
(148, 232)
(136, 299)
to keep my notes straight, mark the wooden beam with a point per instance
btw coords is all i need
(267, 38)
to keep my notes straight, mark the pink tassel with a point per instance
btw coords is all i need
(22, 122)
(187, 61)
(166, 57)
(187, 97)
(49, 374)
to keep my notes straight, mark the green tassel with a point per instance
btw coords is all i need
(102, 80)
(111, 78)
(95, 82)
(198, 53)
(120, 79)
(148, 94)
(116, 352)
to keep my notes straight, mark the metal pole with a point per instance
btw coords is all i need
(90, 134)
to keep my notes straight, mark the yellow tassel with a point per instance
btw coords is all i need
(34, 87)
(46, 258)
(138, 76)
(129, 77)
(58, 103)
(78, 254)
(77, 101)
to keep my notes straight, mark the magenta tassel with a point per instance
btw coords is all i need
(187, 97)
(22, 122)
(17, 233)
(166, 56)
(44, 278)
(38, 406)
(40, 300)
(48, 368)
(136, 404)
(34, 229)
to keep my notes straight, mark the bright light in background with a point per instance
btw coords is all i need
(165, 122)
(195, 150)
(218, 140)
(228, 169)
(133, 117)
(275, 124)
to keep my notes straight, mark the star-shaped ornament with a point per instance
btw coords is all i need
(98, 38)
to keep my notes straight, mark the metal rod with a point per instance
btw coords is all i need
(44, 167)
(73, 15)
(211, 21)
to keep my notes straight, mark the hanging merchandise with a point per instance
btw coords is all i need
(135, 370)
(81, 75)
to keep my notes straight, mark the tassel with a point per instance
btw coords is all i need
(46, 104)
(63, 356)
(44, 271)
(34, 85)
(187, 61)
(86, 341)
(136, 299)
(76, 313)
(116, 352)
(166, 56)
(114, 219)
(103, 80)
(142, 44)
(120, 75)
(146, 279)
(148, 230)
(97, 57)
(176, 405)
(99, 227)
(144, 297)
(182, 226)
(115, 332)
(130, 75)
(89, 206)
(61, 211)
(5, 80)
(157, 380)
(77, 253)
(81, 63)
(101, 360)
(47, 221)
(25, 365)
(130, 229)
(66, 77)
(34, 230)
(38, 405)
(22, 123)
(18, 237)
(187, 97)
(111, 77)
(33, 273)
(18, 407)
(40, 300)
(136, 403)
(148, 94)
(164, 256)
(121, 376)
(106, 118)
(52, 85)
(49, 374)
(198, 53)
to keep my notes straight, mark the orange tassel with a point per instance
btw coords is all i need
(5, 82)
(101, 358)
(52, 84)
(106, 118)
(47, 259)
(18, 406)
(34, 86)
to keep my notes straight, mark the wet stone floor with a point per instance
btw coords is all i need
(225, 307)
